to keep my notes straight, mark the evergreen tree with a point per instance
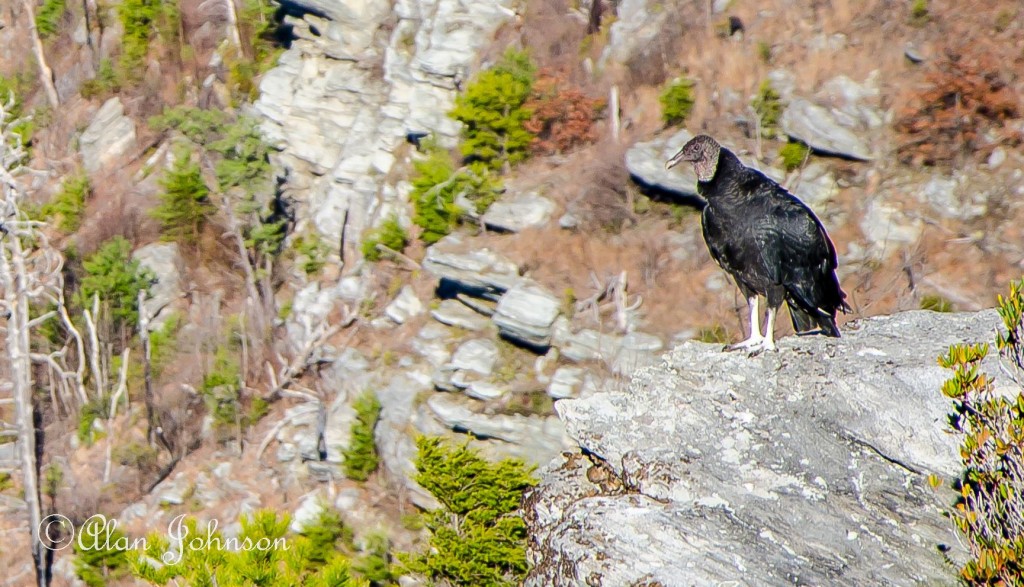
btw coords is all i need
(493, 113)
(116, 278)
(69, 205)
(185, 204)
(477, 539)
(267, 556)
(361, 456)
(100, 552)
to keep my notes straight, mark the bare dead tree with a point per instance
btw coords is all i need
(26, 272)
(147, 369)
(45, 73)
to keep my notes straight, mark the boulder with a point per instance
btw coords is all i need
(395, 445)
(537, 439)
(519, 212)
(817, 184)
(479, 272)
(406, 305)
(566, 382)
(432, 342)
(478, 355)
(590, 345)
(821, 131)
(883, 223)
(646, 164)
(455, 313)
(108, 138)
(164, 260)
(636, 350)
(805, 466)
(526, 314)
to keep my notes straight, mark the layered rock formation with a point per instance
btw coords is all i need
(806, 466)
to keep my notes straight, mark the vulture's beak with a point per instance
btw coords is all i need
(675, 160)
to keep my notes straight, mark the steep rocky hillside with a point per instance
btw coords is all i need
(907, 121)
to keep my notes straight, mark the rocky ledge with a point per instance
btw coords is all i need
(807, 466)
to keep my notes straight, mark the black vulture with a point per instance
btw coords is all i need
(768, 241)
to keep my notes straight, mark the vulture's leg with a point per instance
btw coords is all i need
(755, 338)
(769, 330)
(774, 299)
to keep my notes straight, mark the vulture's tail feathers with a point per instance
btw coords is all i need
(805, 322)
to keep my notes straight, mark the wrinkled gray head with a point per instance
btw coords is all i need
(703, 152)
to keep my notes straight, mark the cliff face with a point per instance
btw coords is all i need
(805, 466)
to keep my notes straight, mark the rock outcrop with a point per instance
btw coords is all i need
(108, 137)
(358, 79)
(806, 466)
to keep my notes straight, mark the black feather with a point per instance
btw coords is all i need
(772, 244)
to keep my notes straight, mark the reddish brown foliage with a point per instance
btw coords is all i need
(966, 100)
(563, 118)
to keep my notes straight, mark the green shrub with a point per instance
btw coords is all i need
(713, 334)
(141, 20)
(936, 303)
(768, 106)
(53, 480)
(390, 234)
(919, 12)
(273, 558)
(325, 537)
(116, 278)
(221, 389)
(793, 154)
(361, 455)
(96, 409)
(49, 16)
(477, 538)
(991, 427)
(375, 563)
(436, 187)
(68, 206)
(101, 552)
(764, 51)
(105, 83)
(492, 113)
(677, 101)
(312, 253)
(185, 205)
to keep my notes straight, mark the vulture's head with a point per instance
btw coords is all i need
(702, 151)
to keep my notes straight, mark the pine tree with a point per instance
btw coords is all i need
(116, 278)
(477, 538)
(493, 113)
(361, 456)
(185, 205)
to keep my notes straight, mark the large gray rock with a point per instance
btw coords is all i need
(480, 271)
(646, 162)
(394, 435)
(806, 466)
(817, 185)
(526, 314)
(885, 224)
(455, 313)
(405, 306)
(819, 129)
(164, 260)
(478, 355)
(537, 439)
(518, 213)
(108, 137)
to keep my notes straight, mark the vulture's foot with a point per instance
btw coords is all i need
(751, 343)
